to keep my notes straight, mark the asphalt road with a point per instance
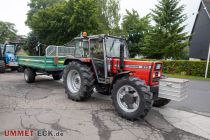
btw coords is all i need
(43, 106)
(198, 100)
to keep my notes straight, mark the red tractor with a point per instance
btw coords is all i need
(102, 62)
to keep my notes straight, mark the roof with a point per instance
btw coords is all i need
(199, 41)
(207, 5)
(204, 3)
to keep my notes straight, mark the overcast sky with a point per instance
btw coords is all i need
(15, 11)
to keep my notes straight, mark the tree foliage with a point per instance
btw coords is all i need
(31, 43)
(135, 29)
(167, 39)
(7, 31)
(109, 14)
(58, 21)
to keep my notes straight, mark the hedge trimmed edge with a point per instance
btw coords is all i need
(184, 67)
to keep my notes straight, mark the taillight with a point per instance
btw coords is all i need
(153, 76)
(156, 74)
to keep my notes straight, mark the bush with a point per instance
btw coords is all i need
(185, 67)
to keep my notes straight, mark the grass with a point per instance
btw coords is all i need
(187, 77)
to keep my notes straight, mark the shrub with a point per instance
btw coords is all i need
(183, 67)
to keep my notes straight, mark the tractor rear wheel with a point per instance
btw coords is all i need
(29, 75)
(2, 66)
(78, 81)
(161, 102)
(131, 98)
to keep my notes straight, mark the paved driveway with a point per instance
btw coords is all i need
(43, 107)
(198, 100)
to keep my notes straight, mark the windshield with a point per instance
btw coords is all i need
(10, 49)
(113, 47)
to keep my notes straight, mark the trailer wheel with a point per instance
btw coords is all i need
(159, 102)
(78, 81)
(56, 77)
(2, 66)
(29, 75)
(131, 98)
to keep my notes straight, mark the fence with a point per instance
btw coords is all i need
(59, 51)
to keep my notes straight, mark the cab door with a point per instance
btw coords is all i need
(97, 51)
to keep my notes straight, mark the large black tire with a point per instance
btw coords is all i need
(2, 66)
(85, 77)
(161, 102)
(145, 102)
(56, 77)
(29, 75)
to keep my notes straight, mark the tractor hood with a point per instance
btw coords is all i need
(149, 71)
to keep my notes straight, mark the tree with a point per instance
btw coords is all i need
(31, 43)
(109, 16)
(135, 29)
(36, 5)
(167, 39)
(59, 21)
(7, 31)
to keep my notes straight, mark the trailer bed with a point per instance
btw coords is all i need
(45, 63)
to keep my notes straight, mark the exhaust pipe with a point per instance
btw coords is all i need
(122, 56)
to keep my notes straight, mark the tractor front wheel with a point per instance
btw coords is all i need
(131, 98)
(2, 66)
(78, 81)
(29, 75)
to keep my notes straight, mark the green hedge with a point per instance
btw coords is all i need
(185, 67)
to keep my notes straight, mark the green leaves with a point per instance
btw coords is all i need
(193, 68)
(135, 29)
(7, 31)
(167, 39)
(58, 21)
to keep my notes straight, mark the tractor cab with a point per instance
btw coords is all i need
(109, 56)
(8, 57)
(100, 50)
(9, 53)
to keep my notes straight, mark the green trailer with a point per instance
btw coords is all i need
(41, 65)
(50, 64)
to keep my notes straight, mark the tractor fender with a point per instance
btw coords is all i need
(70, 59)
(120, 75)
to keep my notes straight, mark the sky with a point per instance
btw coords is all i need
(15, 11)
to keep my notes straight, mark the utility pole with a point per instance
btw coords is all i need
(207, 65)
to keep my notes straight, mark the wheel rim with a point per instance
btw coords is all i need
(26, 76)
(73, 81)
(128, 98)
